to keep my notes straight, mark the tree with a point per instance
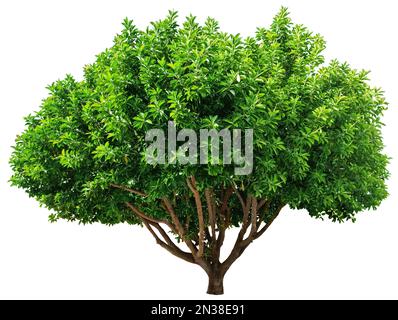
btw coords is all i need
(317, 141)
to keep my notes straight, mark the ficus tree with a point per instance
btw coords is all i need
(317, 136)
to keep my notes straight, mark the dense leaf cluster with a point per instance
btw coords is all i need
(317, 139)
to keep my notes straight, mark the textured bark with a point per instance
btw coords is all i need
(216, 281)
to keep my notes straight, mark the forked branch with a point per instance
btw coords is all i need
(167, 244)
(170, 247)
(241, 244)
(180, 230)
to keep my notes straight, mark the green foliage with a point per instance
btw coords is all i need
(317, 128)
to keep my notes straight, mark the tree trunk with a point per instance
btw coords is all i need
(216, 282)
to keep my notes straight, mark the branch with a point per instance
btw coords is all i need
(169, 244)
(208, 235)
(225, 213)
(245, 219)
(238, 248)
(172, 248)
(261, 203)
(210, 210)
(165, 235)
(263, 229)
(142, 215)
(240, 244)
(261, 217)
(242, 202)
(192, 186)
(142, 194)
(253, 229)
(253, 223)
(180, 229)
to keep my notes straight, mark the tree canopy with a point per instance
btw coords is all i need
(317, 127)
(317, 139)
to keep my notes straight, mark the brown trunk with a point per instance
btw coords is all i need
(216, 282)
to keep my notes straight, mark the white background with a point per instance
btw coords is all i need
(298, 257)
